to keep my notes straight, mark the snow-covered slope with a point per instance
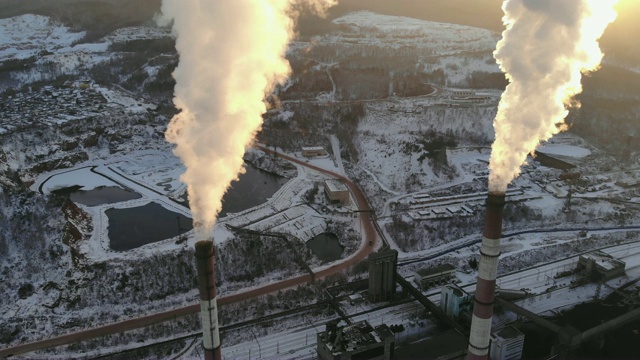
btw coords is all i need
(368, 28)
(22, 37)
(36, 48)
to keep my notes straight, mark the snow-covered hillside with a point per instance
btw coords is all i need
(37, 48)
(368, 28)
(25, 36)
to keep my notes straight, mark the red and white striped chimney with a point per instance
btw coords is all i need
(486, 287)
(208, 307)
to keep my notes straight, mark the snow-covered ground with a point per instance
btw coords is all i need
(564, 150)
(22, 37)
(51, 49)
(398, 181)
(398, 32)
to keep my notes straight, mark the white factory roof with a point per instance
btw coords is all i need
(335, 185)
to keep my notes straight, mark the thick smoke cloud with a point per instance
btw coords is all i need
(231, 56)
(546, 47)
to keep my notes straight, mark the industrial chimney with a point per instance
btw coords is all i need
(486, 286)
(208, 307)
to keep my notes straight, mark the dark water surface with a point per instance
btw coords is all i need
(103, 195)
(134, 227)
(326, 247)
(253, 188)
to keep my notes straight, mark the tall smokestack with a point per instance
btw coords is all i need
(486, 286)
(208, 307)
(232, 54)
(545, 48)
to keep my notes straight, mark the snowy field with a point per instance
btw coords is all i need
(28, 35)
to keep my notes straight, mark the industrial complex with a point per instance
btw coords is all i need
(362, 221)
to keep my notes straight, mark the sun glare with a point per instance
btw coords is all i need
(623, 5)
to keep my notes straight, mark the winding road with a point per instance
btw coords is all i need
(369, 239)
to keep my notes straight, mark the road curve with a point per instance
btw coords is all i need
(369, 239)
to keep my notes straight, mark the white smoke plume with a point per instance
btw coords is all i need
(546, 47)
(231, 57)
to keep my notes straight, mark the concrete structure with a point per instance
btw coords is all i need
(454, 300)
(486, 286)
(447, 345)
(628, 183)
(434, 276)
(598, 266)
(507, 344)
(356, 341)
(470, 96)
(355, 299)
(382, 274)
(568, 337)
(208, 306)
(337, 192)
(313, 151)
(462, 94)
(553, 161)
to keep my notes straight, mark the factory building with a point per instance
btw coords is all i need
(355, 341)
(507, 344)
(337, 192)
(382, 274)
(470, 96)
(628, 183)
(434, 276)
(313, 151)
(454, 301)
(598, 265)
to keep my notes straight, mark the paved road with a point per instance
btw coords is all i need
(369, 239)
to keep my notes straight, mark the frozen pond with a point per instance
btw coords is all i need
(253, 188)
(134, 227)
(103, 195)
(326, 247)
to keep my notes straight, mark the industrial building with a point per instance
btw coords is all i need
(337, 192)
(598, 266)
(355, 341)
(313, 151)
(382, 274)
(628, 183)
(553, 161)
(470, 96)
(434, 276)
(507, 344)
(454, 301)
